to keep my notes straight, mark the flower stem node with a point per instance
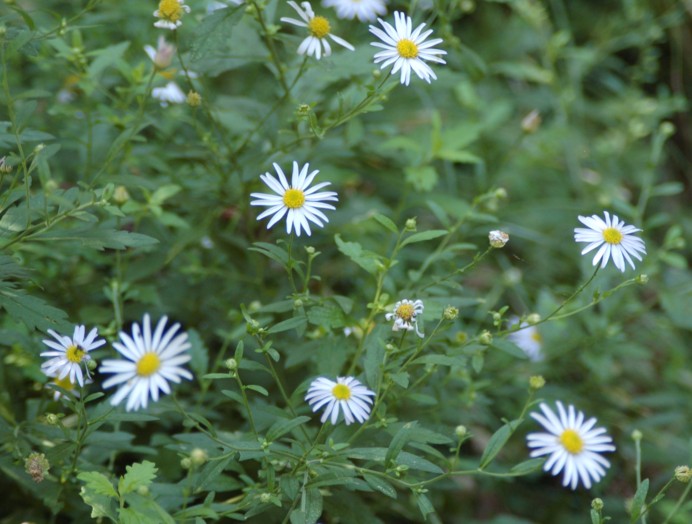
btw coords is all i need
(637, 435)
(536, 382)
(485, 338)
(597, 504)
(683, 474)
(411, 224)
(498, 239)
(450, 313)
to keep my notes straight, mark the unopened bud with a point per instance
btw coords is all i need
(121, 195)
(265, 498)
(310, 250)
(185, 463)
(91, 364)
(460, 431)
(410, 224)
(642, 279)
(536, 382)
(198, 456)
(531, 122)
(4, 166)
(501, 193)
(498, 239)
(231, 364)
(52, 419)
(533, 318)
(39, 148)
(450, 313)
(194, 99)
(637, 435)
(597, 504)
(683, 474)
(666, 128)
(485, 338)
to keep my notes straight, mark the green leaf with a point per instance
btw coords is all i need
(423, 236)
(106, 58)
(310, 507)
(214, 31)
(638, 500)
(510, 348)
(98, 238)
(327, 316)
(422, 178)
(210, 472)
(497, 442)
(386, 222)
(98, 483)
(138, 475)
(271, 251)
(258, 389)
(398, 442)
(33, 311)
(282, 427)
(528, 466)
(424, 505)
(400, 379)
(381, 485)
(298, 322)
(353, 250)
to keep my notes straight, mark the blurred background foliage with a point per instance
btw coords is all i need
(133, 207)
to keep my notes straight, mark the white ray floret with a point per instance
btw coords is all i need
(404, 314)
(364, 10)
(69, 353)
(151, 361)
(299, 202)
(573, 445)
(614, 239)
(346, 394)
(528, 338)
(169, 14)
(319, 31)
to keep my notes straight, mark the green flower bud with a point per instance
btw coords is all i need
(536, 382)
(411, 224)
(637, 435)
(498, 239)
(460, 431)
(683, 474)
(450, 313)
(597, 504)
(533, 318)
(185, 463)
(231, 364)
(485, 338)
(198, 457)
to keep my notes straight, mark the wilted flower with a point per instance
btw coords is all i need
(36, 465)
(318, 28)
(347, 394)
(404, 315)
(162, 56)
(498, 239)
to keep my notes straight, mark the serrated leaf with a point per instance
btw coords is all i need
(138, 475)
(98, 483)
(638, 500)
(215, 31)
(422, 236)
(33, 311)
(386, 222)
(497, 442)
(353, 250)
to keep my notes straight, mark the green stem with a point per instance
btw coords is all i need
(681, 499)
(251, 419)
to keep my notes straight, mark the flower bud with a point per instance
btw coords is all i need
(450, 313)
(642, 279)
(597, 504)
(531, 122)
(52, 419)
(5, 168)
(485, 338)
(536, 382)
(683, 474)
(460, 431)
(533, 318)
(231, 364)
(411, 224)
(121, 195)
(194, 99)
(498, 239)
(637, 435)
(310, 250)
(265, 498)
(186, 463)
(198, 457)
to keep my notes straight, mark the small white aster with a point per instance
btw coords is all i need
(69, 353)
(152, 361)
(364, 10)
(171, 93)
(296, 201)
(406, 49)
(318, 28)
(404, 315)
(614, 238)
(169, 14)
(528, 338)
(347, 394)
(574, 445)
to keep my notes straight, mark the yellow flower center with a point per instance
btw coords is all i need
(612, 235)
(319, 27)
(341, 392)
(405, 312)
(536, 337)
(294, 198)
(148, 364)
(170, 10)
(75, 354)
(407, 48)
(64, 383)
(571, 441)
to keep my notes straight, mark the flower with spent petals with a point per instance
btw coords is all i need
(406, 49)
(318, 28)
(613, 237)
(404, 315)
(162, 56)
(169, 14)
(296, 201)
(346, 394)
(573, 445)
(68, 354)
(151, 361)
(528, 339)
(364, 10)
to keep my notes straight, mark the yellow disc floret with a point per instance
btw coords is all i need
(148, 364)
(341, 392)
(294, 198)
(612, 235)
(64, 383)
(407, 48)
(536, 337)
(319, 27)
(571, 441)
(75, 354)
(170, 10)
(405, 312)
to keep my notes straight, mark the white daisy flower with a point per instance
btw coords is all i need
(319, 29)
(299, 203)
(528, 338)
(347, 394)
(364, 10)
(162, 56)
(573, 445)
(169, 14)
(404, 315)
(406, 49)
(68, 354)
(169, 94)
(152, 361)
(614, 238)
